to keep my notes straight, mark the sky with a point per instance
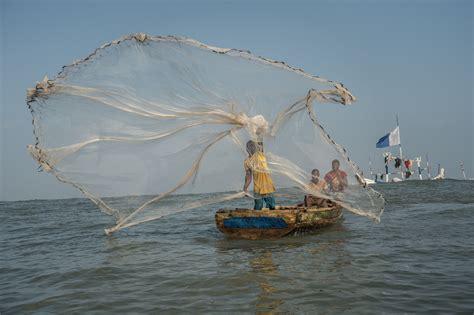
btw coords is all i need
(413, 59)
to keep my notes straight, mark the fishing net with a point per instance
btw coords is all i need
(163, 122)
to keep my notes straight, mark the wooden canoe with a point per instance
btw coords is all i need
(270, 224)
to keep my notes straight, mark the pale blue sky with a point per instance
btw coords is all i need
(411, 58)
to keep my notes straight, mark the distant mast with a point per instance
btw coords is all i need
(386, 159)
(462, 170)
(400, 147)
(370, 168)
(418, 164)
(428, 167)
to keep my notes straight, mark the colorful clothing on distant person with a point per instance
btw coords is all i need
(335, 179)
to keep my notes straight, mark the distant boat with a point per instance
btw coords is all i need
(440, 175)
(369, 181)
(270, 224)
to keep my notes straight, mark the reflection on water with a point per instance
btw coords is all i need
(265, 269)
(292, 264)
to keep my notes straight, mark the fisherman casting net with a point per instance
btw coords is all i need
(151, 118)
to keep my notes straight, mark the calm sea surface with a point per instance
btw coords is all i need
(55, 258)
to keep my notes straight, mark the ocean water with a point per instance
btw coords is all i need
(55, 258)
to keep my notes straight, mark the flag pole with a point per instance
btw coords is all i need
(428, 167)
(370, 168)
(400, 147)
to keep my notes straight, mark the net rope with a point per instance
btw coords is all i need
(149, 126)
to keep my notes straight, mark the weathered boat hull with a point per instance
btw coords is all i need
(271, 224)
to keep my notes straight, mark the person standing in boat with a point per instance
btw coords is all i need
(256, 168)
(318, 185)
(336, 179)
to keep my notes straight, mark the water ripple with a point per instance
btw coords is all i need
(56, 259)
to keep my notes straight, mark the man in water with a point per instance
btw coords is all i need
(319, 185)
(336, 179)
(256, 168)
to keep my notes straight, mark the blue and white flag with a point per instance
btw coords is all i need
(390, 139)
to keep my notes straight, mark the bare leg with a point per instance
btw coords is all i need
(308, 201)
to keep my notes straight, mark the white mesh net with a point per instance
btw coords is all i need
(152, 117)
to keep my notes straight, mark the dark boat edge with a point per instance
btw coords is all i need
(271, 224)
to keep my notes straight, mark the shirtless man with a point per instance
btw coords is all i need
(318, 185)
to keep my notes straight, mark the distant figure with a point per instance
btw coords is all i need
(336, 179)
(256, 168)
(319, 185)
